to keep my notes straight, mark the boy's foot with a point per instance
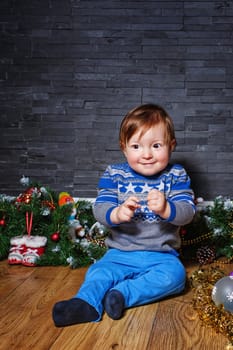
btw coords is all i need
(114, 304)
(73, 311)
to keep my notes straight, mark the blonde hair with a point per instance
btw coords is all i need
(143, 118)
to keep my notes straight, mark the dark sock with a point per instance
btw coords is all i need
(73, 311)
(114, 304)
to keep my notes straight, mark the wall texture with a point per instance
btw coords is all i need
(71, 69)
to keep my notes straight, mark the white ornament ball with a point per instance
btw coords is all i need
(222, 293)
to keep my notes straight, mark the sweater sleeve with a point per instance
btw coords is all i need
(180, 198)
(107, 198)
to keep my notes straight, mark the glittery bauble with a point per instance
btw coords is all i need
(222, 293)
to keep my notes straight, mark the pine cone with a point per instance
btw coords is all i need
(205, 255)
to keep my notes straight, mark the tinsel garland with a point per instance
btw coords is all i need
(202, 282)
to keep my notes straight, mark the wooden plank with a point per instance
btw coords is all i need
(27, 309)
(178, 327)
(12, 276)
(130, 332)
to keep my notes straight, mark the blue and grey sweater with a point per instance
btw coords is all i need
(146, 230)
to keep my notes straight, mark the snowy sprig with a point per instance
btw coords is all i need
(218, 231)
(24, 181)
(219, 219)
(228, 204)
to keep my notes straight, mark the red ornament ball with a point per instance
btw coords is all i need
(2, 222)
(55, 236)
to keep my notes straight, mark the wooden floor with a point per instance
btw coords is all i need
(27, 295)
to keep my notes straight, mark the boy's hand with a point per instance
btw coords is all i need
(158, 203)
(125, 211)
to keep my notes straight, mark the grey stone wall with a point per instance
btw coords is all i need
(71, 69)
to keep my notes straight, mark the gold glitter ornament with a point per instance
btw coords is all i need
(202, 282)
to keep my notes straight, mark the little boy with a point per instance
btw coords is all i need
(143, 202)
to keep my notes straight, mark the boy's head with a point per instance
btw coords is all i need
(143, 118)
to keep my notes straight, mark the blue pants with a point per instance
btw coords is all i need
(141, 276)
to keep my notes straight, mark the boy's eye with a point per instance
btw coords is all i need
(157, 145)
(135, 146)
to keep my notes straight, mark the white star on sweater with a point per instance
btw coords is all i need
(130, 188)
(161, 186)
(146, 188)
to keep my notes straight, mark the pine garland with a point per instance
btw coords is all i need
(208, 237)
(211, 230)
(54, 222)
(220, 222)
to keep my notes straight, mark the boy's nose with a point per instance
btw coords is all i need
(147, 153)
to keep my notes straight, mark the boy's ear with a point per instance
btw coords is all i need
(123, 150)
(122, 146)
(173, 145)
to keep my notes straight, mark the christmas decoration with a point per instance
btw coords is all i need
(26, 250)
(222, 293)
(2, 222)
(210, 235)
(202, 282)
(209, 239)
(17, 250)
(205, 255)
(194, 237)
(75, 228)
(219, 219)
(55, 236)
(40, 230)
(75, 238)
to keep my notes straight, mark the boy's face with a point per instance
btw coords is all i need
(148, 154)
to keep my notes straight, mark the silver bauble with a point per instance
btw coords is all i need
(222, 293)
